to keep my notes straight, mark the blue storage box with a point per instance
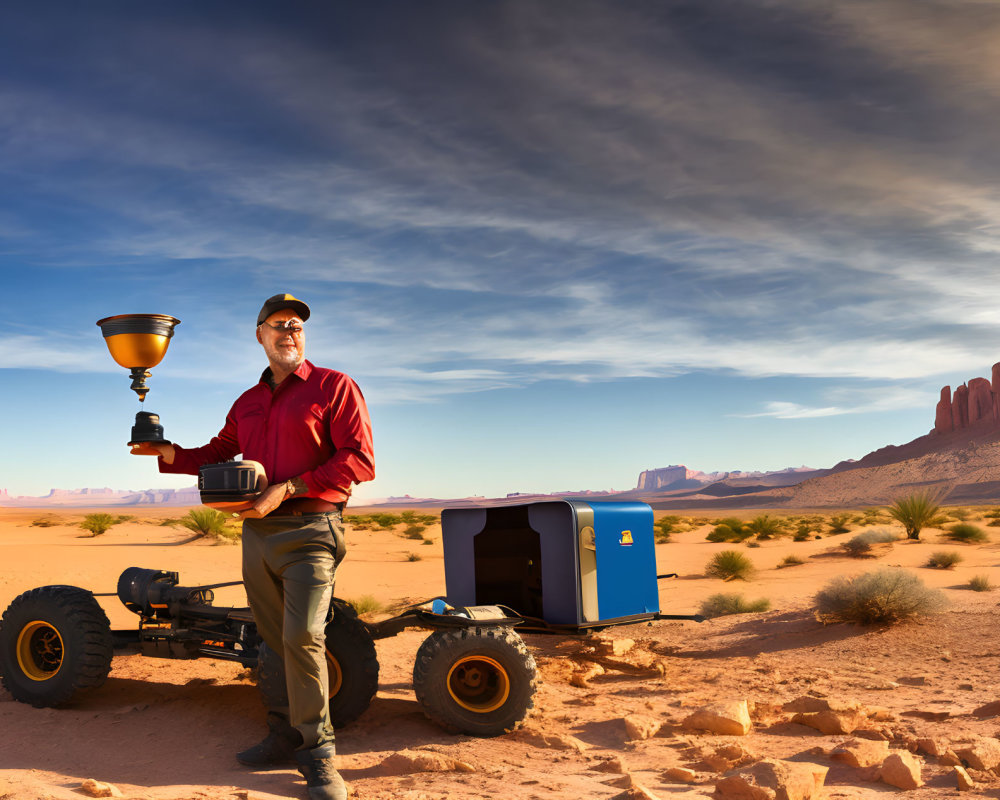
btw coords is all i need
(567, 562)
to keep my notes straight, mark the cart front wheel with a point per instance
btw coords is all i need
(480, 681)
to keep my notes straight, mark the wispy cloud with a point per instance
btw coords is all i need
(651, 196)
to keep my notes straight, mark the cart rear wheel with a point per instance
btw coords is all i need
(351, 661)
(55, 641)
(480, 681)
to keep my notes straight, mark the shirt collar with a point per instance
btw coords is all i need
(304, 371)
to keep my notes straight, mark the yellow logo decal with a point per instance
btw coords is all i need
(626, 538)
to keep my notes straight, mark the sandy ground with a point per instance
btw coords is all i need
(169, 728)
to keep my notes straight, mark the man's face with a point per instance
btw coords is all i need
(283, 348)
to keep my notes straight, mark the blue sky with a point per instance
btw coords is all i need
(555, 243)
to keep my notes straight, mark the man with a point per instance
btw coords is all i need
(310, 429)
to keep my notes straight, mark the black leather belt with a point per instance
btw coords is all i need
(296, 507)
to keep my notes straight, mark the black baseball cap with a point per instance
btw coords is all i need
(280, 301)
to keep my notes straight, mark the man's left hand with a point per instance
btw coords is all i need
(269, 500)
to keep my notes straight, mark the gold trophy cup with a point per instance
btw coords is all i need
(138, 342)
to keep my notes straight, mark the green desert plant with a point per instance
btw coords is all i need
(980, 583)
(961, 514)
(665, 526)
(44, 522)
(722, 605)
(414, 531)
(124, 518)
(790, 561)
(730, 529)
(209, 522)
(730, 565)
(993, 513)
(414, 557)
(839, 523)
(943, 559)
(860, 546)
(883, 596)
(966, 532)
(366, 604)
(915, 512)
(766, 526)
(97, 523)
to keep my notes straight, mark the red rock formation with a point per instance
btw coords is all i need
(975, 403)
(942, 414)
(960, 407)
(980, 400)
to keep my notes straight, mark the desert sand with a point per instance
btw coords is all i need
(608, 719)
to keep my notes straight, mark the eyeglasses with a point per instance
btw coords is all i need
(292, 326)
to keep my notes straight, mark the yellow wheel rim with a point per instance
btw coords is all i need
(478, 683)
(40, 650)
(336, 675)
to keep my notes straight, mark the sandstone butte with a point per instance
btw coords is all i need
(972, 403)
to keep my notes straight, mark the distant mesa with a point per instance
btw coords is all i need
(81, 498)
(974, 403)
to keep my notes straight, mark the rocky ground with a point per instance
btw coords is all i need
(723, 708)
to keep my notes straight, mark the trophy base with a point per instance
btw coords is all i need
(147, 429)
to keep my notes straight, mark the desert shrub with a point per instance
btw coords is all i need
(729, 530)
(766, 526)
(860, 546)
(665, 526)
(414, 557)
(966, 532)
(753, 543)
(170, 521)
(943, 559)
(994, 524)
(993, 513)
(366, 604)
(722, 605)
(124, 518)
(885, 595)
(873, 516)
(209, 522)
(427, 541)
(414, 531)
(412, 517)
(980, 583)
(44, 522)
(97, 523)
(961, 514)
(790, 561)
(839, 523)
(803, 534)
(915, 512)
(730, 565)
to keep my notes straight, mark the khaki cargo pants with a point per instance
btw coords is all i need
(289, 564)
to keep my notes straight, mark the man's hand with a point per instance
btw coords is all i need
(150, 449)
(269, 500)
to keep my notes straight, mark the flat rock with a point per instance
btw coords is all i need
(730, 719)
(638, 726)
(861, 753)
(902, 770)
(406, 762)
(988, 710)
(614, 764)
(771, 779)
(93, 788)
(582, 677)
(636, 792)
(553, 741)
(930, 747)
(680, 775)
(983, 754)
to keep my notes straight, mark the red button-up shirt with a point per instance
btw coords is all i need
(314, 426)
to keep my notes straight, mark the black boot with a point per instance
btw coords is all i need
(322, 778)
(276, 750)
